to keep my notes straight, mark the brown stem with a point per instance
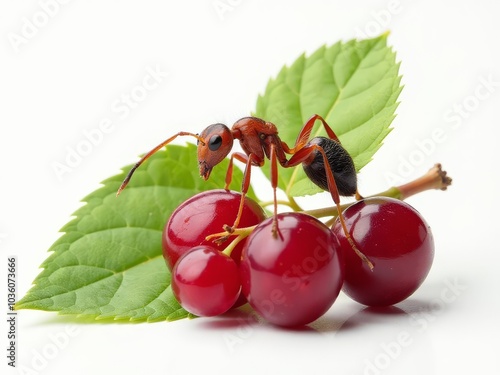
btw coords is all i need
(435, 178)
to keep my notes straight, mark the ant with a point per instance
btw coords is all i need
(324, 159)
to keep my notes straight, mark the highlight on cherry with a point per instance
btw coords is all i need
(224, 250)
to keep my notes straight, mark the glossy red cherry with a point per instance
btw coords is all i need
(205, 214)
(294, 278)
(205, 281)
(396, 239)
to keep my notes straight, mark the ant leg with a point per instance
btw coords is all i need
(305, 134)
(328, 129)
(229, 173)
(302, 155)
(274, 184)
(245, 185)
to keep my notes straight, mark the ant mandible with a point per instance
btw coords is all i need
(325, 161)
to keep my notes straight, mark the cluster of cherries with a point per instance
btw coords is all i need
(291, 268)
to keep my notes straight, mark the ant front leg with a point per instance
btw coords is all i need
(245, 185)
(229, 173)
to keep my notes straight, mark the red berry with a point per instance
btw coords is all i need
(205, 281)
(205, 214)
(294, 278)
(396, 239)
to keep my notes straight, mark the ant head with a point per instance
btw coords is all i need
(214, 144)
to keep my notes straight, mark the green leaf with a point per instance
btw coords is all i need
(108, 264)
(354, 86)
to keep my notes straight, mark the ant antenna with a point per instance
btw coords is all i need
(145, 157)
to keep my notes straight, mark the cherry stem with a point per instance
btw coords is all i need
(435, 178)
(289, 203)
(294, 205)
(241, 234)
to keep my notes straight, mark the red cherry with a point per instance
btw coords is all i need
(294, 278)
(205, 281)
(205, 214)
(396, 239)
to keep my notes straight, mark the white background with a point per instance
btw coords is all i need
(66, 76)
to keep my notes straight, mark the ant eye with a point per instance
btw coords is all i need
(215, 142)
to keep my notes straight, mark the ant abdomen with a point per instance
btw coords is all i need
(341, 165)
